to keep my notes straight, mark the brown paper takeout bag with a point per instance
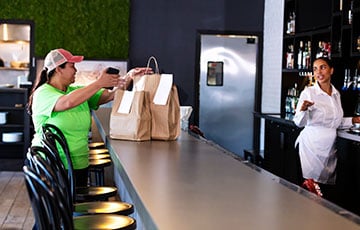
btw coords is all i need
(135, 126)
(165, 119)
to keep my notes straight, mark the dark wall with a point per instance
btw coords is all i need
(168, 30)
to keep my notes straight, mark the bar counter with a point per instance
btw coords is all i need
(343, 133)
(192, 183)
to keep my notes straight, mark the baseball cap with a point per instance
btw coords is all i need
(57, 57)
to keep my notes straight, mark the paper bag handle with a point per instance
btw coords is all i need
(156, 64)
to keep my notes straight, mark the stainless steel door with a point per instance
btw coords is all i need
(227, 90)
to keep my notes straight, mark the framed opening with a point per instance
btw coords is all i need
(215, 73)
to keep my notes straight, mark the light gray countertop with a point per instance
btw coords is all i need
(344, 133)
(191, 183)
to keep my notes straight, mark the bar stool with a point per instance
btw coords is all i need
(40, 159)
(96, 145)
(97, 154)
(97, 167)
(52, 210)
(50, 138)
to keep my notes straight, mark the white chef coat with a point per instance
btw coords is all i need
(317, 140)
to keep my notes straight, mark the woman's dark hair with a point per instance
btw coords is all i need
(327, 60)
(44, 77)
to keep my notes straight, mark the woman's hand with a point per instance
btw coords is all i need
(136, 72)
(108, 80)
(355, 120)
(305, 105)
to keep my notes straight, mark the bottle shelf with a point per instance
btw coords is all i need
(338, 29)
(291, 70)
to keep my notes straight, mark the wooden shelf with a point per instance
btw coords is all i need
(14, 69)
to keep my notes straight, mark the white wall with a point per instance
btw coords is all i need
(272, 56)
(272, 59)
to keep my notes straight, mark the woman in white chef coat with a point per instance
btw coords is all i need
(319, 111)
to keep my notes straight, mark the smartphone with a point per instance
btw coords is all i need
(112, 70)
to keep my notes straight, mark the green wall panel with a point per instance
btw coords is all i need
(93, 28)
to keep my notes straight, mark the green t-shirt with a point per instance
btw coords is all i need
(75, 123)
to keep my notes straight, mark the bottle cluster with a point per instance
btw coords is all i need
(291, 101)
(304, 54)
(351, 82)
(323, 50)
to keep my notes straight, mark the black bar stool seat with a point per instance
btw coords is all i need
(107, 221)
(93, 193)
(99, 156)
(107, 207)
(98, 151)
(97, 145)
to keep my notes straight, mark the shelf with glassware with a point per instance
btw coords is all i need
(15, 123)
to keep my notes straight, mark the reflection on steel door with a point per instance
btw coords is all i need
(227, 90)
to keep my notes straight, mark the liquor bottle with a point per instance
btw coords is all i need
(310, 79)
(358, 79)
(325, 50)
(294, 99)
(304, 55)
(319, 52)
(355, 81)
(300, 54)
(288, 29)
(340, 5)
(292, 23)
(308, 56)
(290, 57)
(288, 102)
(345, 81)
(350, 13)
(328, 49)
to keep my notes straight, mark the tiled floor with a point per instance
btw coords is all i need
(15, 208)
